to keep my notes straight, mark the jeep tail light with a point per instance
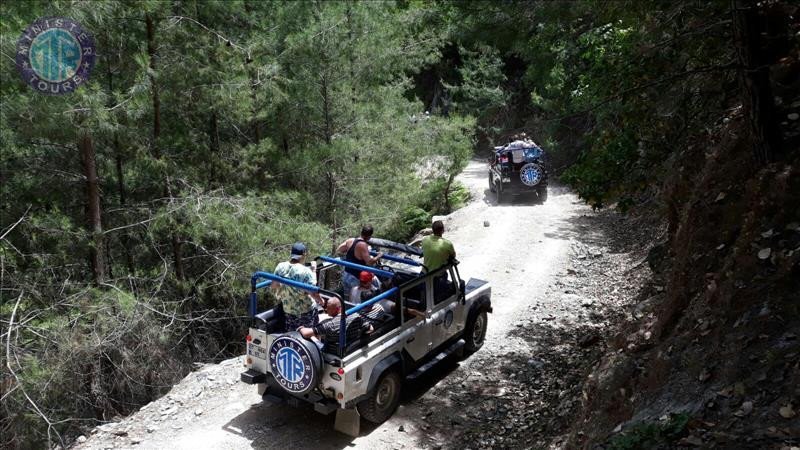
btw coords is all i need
(248, 338)
(249, 360)
(339, 396)
(504, 159)
(340, 371)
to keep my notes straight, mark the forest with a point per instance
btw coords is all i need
(213, 134)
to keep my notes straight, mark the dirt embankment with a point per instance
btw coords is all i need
(712, 361)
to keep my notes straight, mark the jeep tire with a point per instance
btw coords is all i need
(383, 399)
(475, 331)
(498, 192)
(491, 183)
(541, 192)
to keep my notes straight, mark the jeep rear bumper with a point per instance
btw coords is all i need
(253, 377)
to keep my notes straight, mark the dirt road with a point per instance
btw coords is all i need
(517, 391)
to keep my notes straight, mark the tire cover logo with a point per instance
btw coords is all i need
(55, 55)
(530, 174)
(290, 364)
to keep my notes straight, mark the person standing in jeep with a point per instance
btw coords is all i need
(436, 250)
(298, 308)
(356, 250)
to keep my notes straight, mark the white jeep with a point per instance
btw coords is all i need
(363, 377)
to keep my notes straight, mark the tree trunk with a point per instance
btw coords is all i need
(447, 193)
(326, 109)
(757, 99)
(152, 55)
(124, 240)
(94, 223)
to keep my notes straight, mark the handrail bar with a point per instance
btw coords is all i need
(287, 281)
(399, 259)
(372, 301)
(271, 277)
(379, 272)
(343, 316)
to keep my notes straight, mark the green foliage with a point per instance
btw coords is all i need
(652, 435)
(599, 171)
(277, 122)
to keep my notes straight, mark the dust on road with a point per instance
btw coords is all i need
(515, 392)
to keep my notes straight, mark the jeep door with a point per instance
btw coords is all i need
(414, 296)
(447, 314)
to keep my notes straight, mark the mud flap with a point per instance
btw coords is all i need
(348, 421)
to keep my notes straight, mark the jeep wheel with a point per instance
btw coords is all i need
(383, 399)
(491, 183)
(498, 192)
(542, 193)
(475, 333)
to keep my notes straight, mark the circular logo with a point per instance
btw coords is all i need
(55, 55)
(291, 365)
(530, 174)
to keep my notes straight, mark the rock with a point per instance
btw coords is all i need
(485, 223)
(401, 429)
(787, 412)
(767, 234)
(720, 197)
(794, 226)
(120, 433)
(135, 441)
(198, 411)
(81, 439)
(588, 340)
(746, 409)
(151, 428)
(764, 253)
(793, 116)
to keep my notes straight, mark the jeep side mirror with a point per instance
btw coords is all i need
(462, 290)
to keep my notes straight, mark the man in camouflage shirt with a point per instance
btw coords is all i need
(298, 306)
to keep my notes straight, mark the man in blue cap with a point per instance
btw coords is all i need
(298, 308)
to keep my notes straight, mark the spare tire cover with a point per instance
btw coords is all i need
(531, 174)
(295, 363)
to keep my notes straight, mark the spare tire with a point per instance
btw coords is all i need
(531, 174)
(295, 363)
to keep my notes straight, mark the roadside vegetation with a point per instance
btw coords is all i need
(214, 134)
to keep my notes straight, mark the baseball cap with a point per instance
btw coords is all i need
(365, 276)
(298, 250)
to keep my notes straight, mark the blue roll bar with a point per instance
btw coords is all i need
(270, 277)
(289, 282)
(372, 301)
(379, 272)
(399, 259)
(355, 309)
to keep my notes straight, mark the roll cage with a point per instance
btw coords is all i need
(402, 282)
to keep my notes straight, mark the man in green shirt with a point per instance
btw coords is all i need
(436, 250)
